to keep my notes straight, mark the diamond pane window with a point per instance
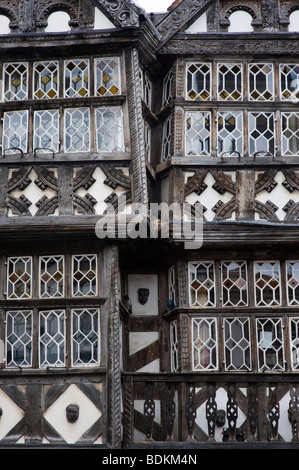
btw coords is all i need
(19, 339)
(270, 344)
(261, 133)
(52, 338)
(292, 269)
(19, 278)
(289, 82)
(109, 122)
(230, 133)
(171, 284)
(294, 339)
(15, 81)
(167, 87)
(202, 284)
(85, 337)
(84, 275)
(290, 133)
(107, 76)
(46, 80)
(198, 133)
(76, 78)
(204, 344)
(198, 81)
(51, 276)
(230, 82)
(234, 283)
(77, 133)
(46, 131)
(261, 82)
(267, 283)
(15, 132)
(174, 347)
(237, 351)
(167, 138)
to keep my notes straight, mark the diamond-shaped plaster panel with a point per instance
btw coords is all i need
(56, 414)
(11, 414)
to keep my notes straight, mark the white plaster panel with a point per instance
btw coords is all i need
(140, 340)
(56, 414)
(209, 197)
(150, 281)
(11, 414)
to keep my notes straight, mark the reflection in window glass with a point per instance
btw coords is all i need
(46, 131)
(261, 133)
(19, 338)
(270, 344)
(204, 344)
(230, 133)
(52, 338)
(109, 124)
(202, 284)
(267, 283)
(237, 344)
(77, 133)
(85, 337)
(261, 82)
(198, 133)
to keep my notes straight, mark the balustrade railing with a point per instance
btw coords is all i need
(200, 409)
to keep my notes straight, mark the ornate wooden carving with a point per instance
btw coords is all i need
(293, 412)
(168, 409)
(273, 412)
(252, 411)
(149, 409)
(190, 410)
(211, 409)
(232, 411)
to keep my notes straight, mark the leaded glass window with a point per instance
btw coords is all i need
(204, 344)
(198, 133)
(171, 284)
(289, 82)
(76, 78)
(237, 348)
(19, 338)
(19, 277)
(234, 283)
(84, 275)
(15, 132)
(77, 132)
(294, 340)
(52, 338)
(46, 78)
(261, 133)
(270, 344)
(199, 81)
(109, 128)
(167, 87)
(267, 283)
(167, 138)
(174, 347)
(230, 87)
(290, 133)
(15, 81)
(202, 284)
(292, 271)
(46, 131)
(107, 76)
(230, 133)
(261, 82)
(85, 337)
(51, 276)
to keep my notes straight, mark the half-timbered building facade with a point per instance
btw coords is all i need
(110, 336)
